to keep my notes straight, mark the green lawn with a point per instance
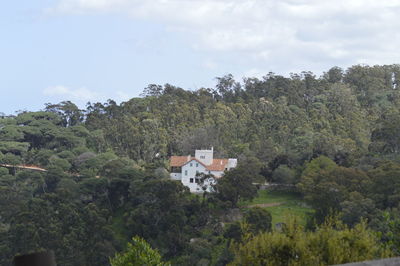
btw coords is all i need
(291, 204)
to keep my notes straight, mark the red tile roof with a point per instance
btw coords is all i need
(178, 161)
(217, 165)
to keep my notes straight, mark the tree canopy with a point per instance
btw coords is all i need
(83, 182)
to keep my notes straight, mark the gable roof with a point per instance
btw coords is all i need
(217, 164)
(178, 161)
(195, 159)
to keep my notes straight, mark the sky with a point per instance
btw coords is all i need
(94, 50)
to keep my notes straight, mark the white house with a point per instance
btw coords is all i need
(185, 168)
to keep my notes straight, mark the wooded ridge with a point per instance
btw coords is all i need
(334, 140)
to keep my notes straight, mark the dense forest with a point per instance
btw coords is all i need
(102, 179)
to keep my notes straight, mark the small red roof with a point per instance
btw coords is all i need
(217, 165)
(178, 161)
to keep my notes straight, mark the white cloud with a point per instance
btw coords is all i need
(273, 34)
(81, 94)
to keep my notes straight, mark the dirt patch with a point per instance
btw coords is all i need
(264, 205)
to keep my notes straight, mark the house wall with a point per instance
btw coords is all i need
(189, 171)
(232, 163)
(204, 156)
(176, 176)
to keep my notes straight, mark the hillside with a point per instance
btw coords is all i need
(104, 170)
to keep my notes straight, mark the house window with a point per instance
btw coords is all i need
(197, 180)
(185, 172)
(191, 164)
(197, 165)
(191, 180)
(202, 157)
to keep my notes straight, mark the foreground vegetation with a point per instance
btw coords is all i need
(334, 139)
(331, 243)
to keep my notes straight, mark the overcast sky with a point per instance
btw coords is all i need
(93, 50)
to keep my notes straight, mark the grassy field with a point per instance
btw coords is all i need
(286, 203)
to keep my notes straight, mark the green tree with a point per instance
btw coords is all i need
(138, 253)
(325, 186)
(11, 159)
(331, 243)
(165, 214)
(335, 74)
(385, 137)
(387, 223)
(233, 231)
(357, 207)
(236, 184)
(258, 219)
(71, 115)
(385, 187)
(284, 175)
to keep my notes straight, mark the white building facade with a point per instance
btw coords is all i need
(187, 168)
